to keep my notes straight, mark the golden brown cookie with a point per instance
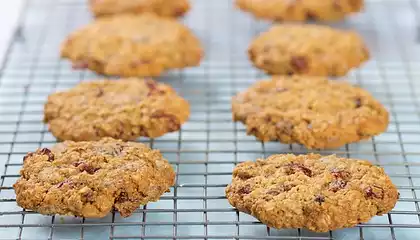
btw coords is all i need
(133, 45)
(317, 192)
(123, 109)
(89, 179)
(313, 111)
(164, 8)
(301, 10)
(307, 49)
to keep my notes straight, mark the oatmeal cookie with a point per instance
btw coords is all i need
(307, 49)
(133, 45)
(123, 109)
(313, 111)
(89, 179)
(301, 10)
(164, 8)
(320, 193)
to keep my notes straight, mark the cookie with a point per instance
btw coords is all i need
(307, 49)
(165, 8)
(301, 10)
(320, 193)
(313, 111)
(89, 179)
(123, 109)
(133, 45)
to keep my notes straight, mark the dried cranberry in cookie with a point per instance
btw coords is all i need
(132, 46)
(301, 10)
(164, 8)
(123, 109)
(307, 49)
(321, 193)
(312, 111)
(83, 180)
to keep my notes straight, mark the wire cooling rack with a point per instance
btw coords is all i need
(205, 151)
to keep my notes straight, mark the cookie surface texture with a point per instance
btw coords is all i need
(89, 179)
(301, 10)
(132, 45)
(320, 193)
(312, 111)
(164, 8)
(288, 49)
(123, 109)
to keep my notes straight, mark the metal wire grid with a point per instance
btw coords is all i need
(205, 151)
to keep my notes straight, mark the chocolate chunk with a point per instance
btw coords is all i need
(299, 63)
(173, 122)
(337, 185)
(46, 151)
(293, 168)
(358, 102)
(245, 190)
(84, 167)
(320, 199)
(337, 173)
